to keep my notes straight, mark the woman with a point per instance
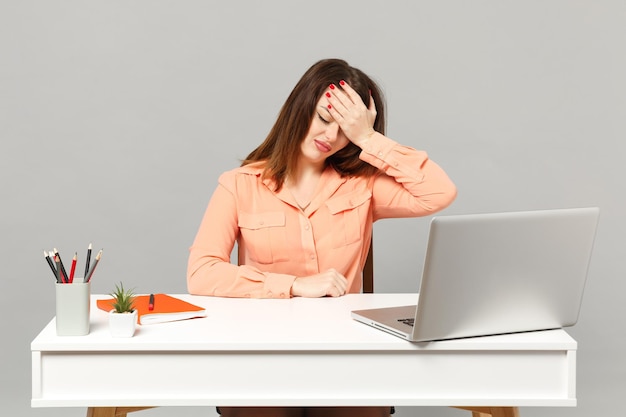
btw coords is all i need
(302, 204)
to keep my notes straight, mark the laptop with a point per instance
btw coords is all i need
(487, 274)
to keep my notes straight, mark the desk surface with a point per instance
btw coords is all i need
(297, 352)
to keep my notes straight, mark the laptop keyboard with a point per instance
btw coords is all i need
(409, 321)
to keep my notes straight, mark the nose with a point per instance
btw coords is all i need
(332, 130)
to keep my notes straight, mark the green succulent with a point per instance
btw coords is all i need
(123, 299)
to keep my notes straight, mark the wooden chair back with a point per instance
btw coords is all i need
(368, 271)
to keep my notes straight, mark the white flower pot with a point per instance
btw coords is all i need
(122, 324)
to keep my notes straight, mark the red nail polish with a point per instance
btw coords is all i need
(330, 107)
(332, 86)
(327, 94)
(342, 82)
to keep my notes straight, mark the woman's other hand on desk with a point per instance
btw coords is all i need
(329, 283)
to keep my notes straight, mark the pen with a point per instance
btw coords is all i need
(73, 268)
(49, 260)
(151, 302)
(88, 260)
(64, 276)
(93, 267)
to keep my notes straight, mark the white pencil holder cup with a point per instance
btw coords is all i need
(72, 308)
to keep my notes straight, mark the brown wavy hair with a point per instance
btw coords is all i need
(281, 148)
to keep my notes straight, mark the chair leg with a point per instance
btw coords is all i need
(112, 411)
(492, 411)
(505, 412)
(101, 412)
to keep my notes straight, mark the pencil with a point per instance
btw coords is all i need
(88, 260)
(59, 273)
(49, 260)
(73, 268)
(64, 275)
(93, 267)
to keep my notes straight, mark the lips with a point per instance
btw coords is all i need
(322, 146)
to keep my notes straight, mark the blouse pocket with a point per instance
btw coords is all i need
(265, 236)
(349, 211)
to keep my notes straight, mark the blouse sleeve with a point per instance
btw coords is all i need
(409, 184)
(209, 271)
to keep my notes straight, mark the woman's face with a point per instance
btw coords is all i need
(324, 137)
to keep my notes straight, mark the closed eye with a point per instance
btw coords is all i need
(322, 119)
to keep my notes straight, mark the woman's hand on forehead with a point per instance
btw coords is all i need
(355, 119)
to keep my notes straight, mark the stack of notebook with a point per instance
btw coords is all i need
(165, 308)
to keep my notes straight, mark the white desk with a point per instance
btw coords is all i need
(297, 352)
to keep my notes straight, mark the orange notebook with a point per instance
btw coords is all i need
(166, 308)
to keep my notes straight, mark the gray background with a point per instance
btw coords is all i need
(116, 117)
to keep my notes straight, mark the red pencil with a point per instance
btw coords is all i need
(73, 268)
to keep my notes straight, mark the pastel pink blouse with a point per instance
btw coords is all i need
(277, 241)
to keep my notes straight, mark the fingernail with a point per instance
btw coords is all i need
(332, 86)
(342, 82)
(330, 107)
(327, 94)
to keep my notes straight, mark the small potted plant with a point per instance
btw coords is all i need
(123, 317)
